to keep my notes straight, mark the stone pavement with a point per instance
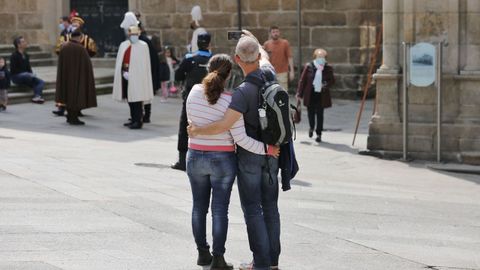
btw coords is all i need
(102, 197)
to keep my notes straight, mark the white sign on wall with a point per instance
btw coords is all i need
(422, 64)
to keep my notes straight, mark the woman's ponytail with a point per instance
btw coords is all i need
(219, 68)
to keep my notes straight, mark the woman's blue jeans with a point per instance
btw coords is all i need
(211, 173)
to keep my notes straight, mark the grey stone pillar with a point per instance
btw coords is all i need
(391, 43)
(469, 94)
(473, 38)
(387, 77)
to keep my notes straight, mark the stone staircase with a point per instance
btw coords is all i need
(44, 65)
(38, 57)
(20, 94)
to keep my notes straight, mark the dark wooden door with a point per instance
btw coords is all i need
(102, 22)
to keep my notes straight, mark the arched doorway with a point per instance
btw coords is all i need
(102, 22)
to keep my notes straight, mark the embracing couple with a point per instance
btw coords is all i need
(219, 120)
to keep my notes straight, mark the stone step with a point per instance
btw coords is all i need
(52, 84)
(43, 62)
(9, 48)
(33, 55)
(472, 158)
(49, 94)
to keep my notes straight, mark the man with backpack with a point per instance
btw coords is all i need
(257, 174)
(192, 70)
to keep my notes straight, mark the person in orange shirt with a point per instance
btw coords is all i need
(280, 54)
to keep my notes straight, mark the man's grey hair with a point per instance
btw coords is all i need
(247, 49)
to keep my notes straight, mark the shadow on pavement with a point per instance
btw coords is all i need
(467, 176)
(333, 146)
(102, 123)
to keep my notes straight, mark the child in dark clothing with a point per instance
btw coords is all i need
(4, 84)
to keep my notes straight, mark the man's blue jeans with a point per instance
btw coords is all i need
(258, 188)
(211, 173)
(28, 79)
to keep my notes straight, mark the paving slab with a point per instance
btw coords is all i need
(102, 196)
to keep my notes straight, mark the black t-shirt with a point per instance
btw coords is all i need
(19, 63)
(245, 100)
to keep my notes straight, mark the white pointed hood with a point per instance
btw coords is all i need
(129, 20)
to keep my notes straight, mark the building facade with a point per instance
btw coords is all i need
(346, 28)
(455, 22)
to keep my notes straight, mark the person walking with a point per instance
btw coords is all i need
(172, 63)
(280, 55)
(211, 161)
(314, 88)
(192, 70)
(164, 76)
(132, 81)
(21, 70)
(75, 87)
(257, 175)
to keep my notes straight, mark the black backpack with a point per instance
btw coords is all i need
(276, 124)
(196, 74)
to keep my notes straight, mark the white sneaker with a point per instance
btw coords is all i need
(246, 266)
(38, 100)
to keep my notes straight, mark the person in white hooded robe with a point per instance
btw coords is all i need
(132, 81)
(197, 29)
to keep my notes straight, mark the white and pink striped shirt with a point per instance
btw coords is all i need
(201, 113)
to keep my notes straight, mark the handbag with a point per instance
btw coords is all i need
(297, 115)
(173, 89)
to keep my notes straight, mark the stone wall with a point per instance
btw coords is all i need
(454, 22)
(36, 20)
(346, 28)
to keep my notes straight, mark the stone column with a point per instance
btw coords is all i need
(473, 38)
(469, 94)
(387, 77)
(391, 44)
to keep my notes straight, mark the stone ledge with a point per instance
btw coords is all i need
(398, 155)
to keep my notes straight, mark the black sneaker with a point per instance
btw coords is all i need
(136, 125)
(204, 257)
(178, 166)
(310, 133)
(219, 263)
(318, 139)
(59, 112)
(76, 123)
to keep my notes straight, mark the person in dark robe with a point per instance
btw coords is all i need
(154, 67)
(75, 81)
(86, 41)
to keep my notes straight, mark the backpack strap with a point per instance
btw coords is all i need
(254, 80)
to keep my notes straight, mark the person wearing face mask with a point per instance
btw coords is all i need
(75, 87)
(65, 26)
(133, 79)
(86, 41)
(314, 88)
